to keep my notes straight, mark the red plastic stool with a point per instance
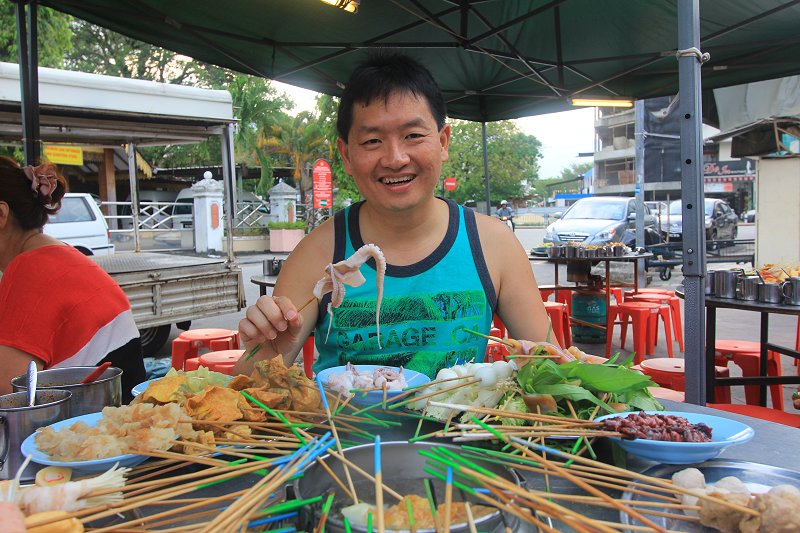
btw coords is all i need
(496, 351)
(674, 304)
(563, 296)
(764, 413)
(221, 361)
(559, 318)
(671, 373)
(308, 356)
(498, 325)
(642, 315)
(649, 291)
(667, 394)
(187, 344)
(747, 355)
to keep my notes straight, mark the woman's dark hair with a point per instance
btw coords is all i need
(31, 209)
(383, 74)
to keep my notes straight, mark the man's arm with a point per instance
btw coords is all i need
(274, 321)
(519, 303)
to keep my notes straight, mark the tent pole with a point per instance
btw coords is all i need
(28, 58)
(486, 169)
(694, 258)
(137, 242)
(640, 137)
(229, 179)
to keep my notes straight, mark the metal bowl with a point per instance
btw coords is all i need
(87, 398)
(402, 468)
(554, 252)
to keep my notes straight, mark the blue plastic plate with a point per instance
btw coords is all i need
(95, 466)
(413, 378)
(725, 433)
(141, 387)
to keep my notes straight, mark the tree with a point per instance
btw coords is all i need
(513, 158)
(346, 190)
(53, 36)
(300, 138)
(575, 170)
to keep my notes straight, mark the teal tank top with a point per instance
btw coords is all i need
(426, 306)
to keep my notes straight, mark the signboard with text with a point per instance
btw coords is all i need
(60, 154)
(323, 187)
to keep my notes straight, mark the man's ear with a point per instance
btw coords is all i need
(444, 139)
(344, 150)
(5, 214)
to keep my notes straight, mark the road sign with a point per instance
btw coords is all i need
(450, 184)
(323, 188)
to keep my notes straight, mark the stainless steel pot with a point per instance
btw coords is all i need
(402, 468)
(18, 421)
(725, 283)
(709, 287)
(747, 287)
(770, 293)
(89, 398)
(791, 291)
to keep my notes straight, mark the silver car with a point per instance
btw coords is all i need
(596, 220)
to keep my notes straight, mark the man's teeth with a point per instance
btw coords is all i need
(393, 181)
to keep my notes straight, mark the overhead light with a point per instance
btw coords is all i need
(351, 6)
(601, 102)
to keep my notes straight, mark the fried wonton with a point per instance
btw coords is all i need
(218, 404)
(164, 390)
(241, 382)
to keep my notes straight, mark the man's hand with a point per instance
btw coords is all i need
(275, 324)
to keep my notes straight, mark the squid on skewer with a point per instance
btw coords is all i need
(347, 272)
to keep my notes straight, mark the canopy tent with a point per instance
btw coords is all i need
(493, 59)
(500, 59)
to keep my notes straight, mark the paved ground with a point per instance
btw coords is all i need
(731, 324)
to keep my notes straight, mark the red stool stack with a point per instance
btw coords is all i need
(559, 318)
(756, 411)
(563, 296)
(671, 373)
(495, 351)
(187, 345)
(644, 318)
(665, 298)
(746, 355)
(221, 361)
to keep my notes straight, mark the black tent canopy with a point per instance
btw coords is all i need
(494, 59)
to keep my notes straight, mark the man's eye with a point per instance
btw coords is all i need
(415, 135)
(371, 141)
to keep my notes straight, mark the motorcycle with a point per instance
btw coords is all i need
(508, 221)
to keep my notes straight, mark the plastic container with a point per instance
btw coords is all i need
(589, 306)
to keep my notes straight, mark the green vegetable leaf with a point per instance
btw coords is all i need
(572, 392)
(642, 399)
(606, 378)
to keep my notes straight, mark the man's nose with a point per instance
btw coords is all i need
(395, 155)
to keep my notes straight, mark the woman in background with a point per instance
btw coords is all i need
(57, 307)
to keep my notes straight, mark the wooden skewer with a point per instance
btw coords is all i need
(490, 337)
(260, 345)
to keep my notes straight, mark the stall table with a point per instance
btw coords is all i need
(764, 309)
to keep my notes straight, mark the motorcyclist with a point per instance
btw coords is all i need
(505, 211)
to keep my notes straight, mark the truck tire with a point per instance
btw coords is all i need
(153, 339)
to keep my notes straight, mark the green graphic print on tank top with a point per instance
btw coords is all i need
(425, 309)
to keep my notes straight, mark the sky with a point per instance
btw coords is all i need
(563, 135)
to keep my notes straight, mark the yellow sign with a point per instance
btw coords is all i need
(63, 155)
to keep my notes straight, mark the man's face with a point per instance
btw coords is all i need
(394, 151)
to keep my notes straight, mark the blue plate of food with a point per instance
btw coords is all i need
(95, 466)
(648, 426)
(367, 382)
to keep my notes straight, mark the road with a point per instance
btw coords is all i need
(731, 324)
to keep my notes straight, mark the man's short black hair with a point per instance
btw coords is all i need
(383, 74)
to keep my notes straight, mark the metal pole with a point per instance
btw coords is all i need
(486, 170)
(694, 260)
(639, 138)
(137, 244)
(28, 58)
(228, 173)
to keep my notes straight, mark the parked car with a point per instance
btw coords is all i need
(80, 223)
(749, 216)
(596, 220)
(721, 221)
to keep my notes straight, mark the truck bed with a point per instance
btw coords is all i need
(166, 288)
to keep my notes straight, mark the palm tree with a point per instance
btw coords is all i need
(301, 139)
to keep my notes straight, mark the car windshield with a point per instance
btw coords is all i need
(709, 207)
(675, 208)
(597, 210)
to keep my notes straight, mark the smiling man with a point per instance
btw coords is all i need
(448, 269)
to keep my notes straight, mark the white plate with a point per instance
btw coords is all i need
(724, 433)
(413, 379)
(95, 466)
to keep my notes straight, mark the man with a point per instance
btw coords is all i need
(505, 211)
(448, 268)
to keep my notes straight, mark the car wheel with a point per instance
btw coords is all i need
(735, 232)
(712, 243)
(153, 339)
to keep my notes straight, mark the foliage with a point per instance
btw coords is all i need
(53, 36)
(297, 224)
(343, 183)
(575, 170)
(513, 157)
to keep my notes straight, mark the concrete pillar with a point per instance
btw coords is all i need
(208, 227)
(283, 200)
(107, 185)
